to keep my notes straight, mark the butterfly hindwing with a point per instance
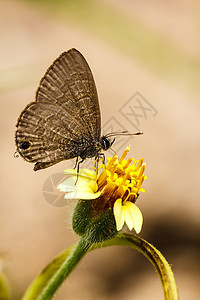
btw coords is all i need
(44, 134)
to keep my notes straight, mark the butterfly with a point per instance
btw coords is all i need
(64, 121)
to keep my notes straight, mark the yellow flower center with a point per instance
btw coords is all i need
(121, 178)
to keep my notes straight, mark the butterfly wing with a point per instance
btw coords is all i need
(66, 113)
(69, 84)
(45, 136)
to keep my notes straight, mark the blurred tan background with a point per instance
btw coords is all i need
(151, 47)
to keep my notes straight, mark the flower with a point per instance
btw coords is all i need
(117, 187)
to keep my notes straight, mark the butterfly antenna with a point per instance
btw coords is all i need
(122, 133)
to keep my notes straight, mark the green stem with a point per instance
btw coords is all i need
(47, 283)
(65, 269)
(155, 257)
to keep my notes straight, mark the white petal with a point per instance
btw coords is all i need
(82, 182)
(82, 195)
(136, 215)
(128, 217)
(69, 183)
(119, 214)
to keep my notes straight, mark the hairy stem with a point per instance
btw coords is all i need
(64, 270)
(47, 283)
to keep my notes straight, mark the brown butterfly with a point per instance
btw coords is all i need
(64, 121)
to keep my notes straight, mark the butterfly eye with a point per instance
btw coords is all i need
(106, 143)
(24, 145)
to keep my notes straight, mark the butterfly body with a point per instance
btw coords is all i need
(64, 121)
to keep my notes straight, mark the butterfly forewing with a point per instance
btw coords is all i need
(69, 84)
(65, 119)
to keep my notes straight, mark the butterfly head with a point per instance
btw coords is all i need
(106, 143)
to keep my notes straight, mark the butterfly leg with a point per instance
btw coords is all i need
(101, 156)
(76, 162)
(78, 166)
(97, 159)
